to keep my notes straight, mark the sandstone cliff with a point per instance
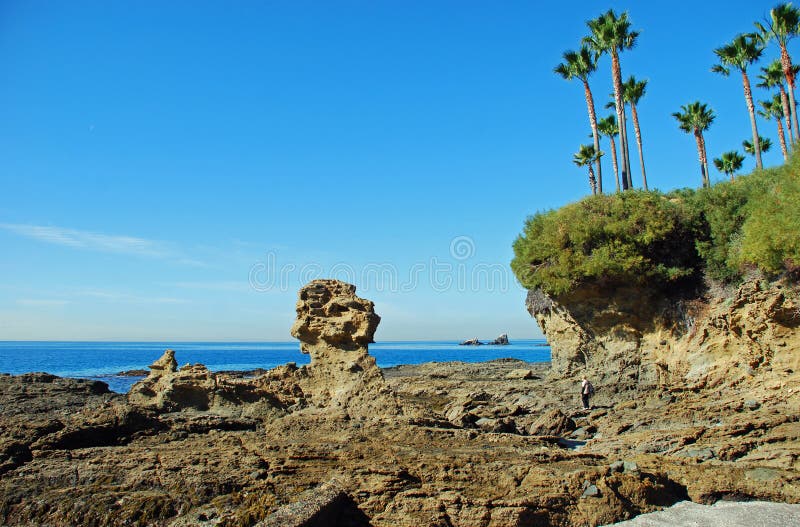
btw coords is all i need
(635, 338)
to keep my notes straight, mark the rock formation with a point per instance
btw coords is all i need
(335, 327)
(494, 444)
(502, 340)
(633, 338)
(193, 387)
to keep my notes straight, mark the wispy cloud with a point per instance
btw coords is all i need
(94, 241)
(242, 286)
(114, 296)
(40, 302)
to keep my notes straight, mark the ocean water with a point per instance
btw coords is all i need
(104, 360)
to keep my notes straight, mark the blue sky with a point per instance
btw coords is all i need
(176, 170)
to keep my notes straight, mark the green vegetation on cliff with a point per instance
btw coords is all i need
(666, 240)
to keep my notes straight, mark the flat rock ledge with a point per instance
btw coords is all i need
(721, 514)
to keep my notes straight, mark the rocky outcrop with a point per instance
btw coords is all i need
(490, 444)
(325, 506)
(502, 340)
(84, 456)
(168, 388)
(633, 337)
(335, 327)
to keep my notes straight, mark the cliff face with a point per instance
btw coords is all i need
(634, 337)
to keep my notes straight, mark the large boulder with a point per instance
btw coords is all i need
(552, 423)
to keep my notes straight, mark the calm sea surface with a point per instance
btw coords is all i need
(103, 360)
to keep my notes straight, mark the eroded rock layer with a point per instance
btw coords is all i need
(630, 338)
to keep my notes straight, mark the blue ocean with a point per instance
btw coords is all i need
(104, 360)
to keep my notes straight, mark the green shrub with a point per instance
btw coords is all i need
(666, 240)
(722, 210)
(633, 237)
(770, 234)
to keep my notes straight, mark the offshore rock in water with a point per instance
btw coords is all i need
(502, 340)
(334, 327)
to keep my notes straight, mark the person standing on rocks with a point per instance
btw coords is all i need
(587, 390)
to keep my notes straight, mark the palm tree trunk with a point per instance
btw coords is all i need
(627, 148)
(592, 180)
(638, 133)
(595, 134)
(782, 139)
(787, 112)
(786, 62)
(614, 159)
(698, 137)
(705, 159)
(616, 74)
(748, 97)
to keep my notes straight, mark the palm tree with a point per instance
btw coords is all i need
(611, 34)
(696, 118)
(740, 53)
(608, 127)
(783, 25)
(773, 109)
(771, 77)
(632, 92)
(766, 144)
(729, 162)
(585, 157)
(579, 65)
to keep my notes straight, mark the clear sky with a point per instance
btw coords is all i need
(177, 170)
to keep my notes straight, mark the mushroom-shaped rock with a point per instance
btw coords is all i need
(328, 311)
(334, 327)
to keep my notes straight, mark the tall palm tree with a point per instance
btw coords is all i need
(696, 118)
(585, 157)
(608, 127)
(729, 162)
(771, 77)
(783, 25)
(740, 53)
(612, 34)
(632, 92)
(773, 109)
(766, 144)
(579, 65)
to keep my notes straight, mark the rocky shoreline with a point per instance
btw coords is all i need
(341, 442)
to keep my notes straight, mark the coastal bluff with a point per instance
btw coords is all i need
(340, 442)
(640, 337)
